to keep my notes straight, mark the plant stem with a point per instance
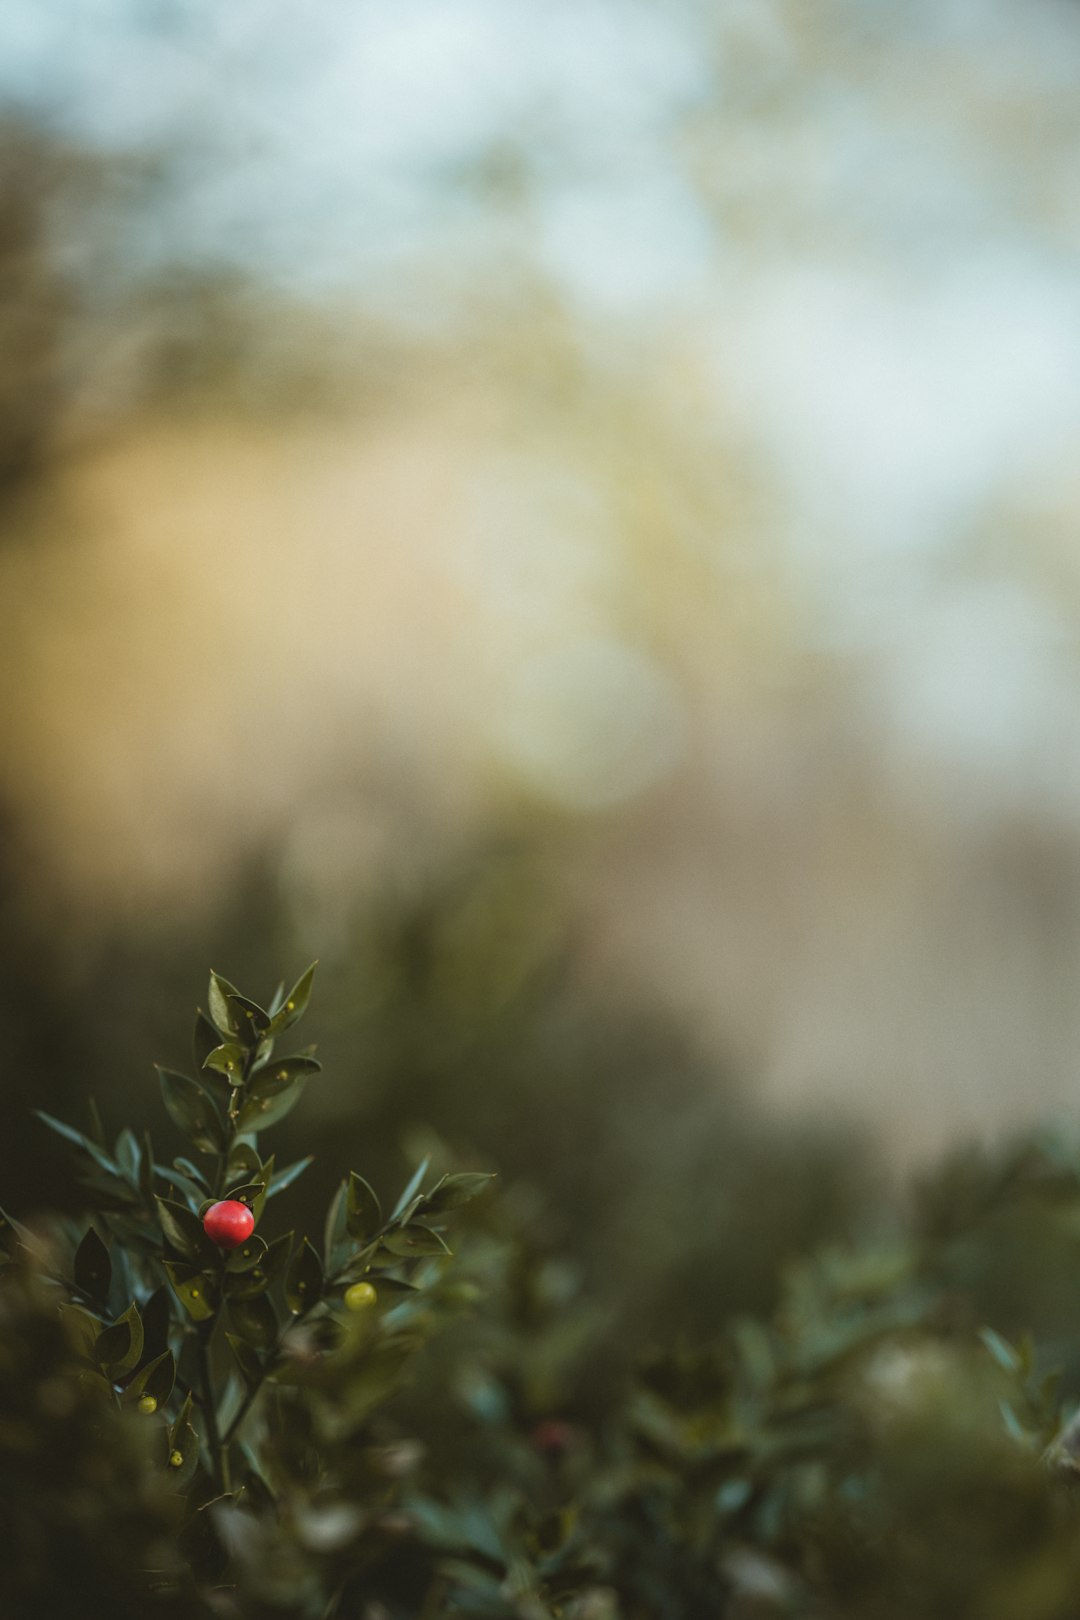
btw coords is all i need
(218, 1443)
(244, 1408)
(219, 1462)
(249, 1398)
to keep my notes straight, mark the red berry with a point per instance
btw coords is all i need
(553, 1437)
(229, 1223)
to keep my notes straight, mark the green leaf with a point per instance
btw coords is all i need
(364, 1212)
(157, 1319)
(229, 1060)
(183, 1448)
(285, 1178)
(77, 1139)
(244, 1164)
(246, 1284)
(295, 1003)
(259, 1113)
(1002, 1352)
(97, 1129)
(251, 1193)
(93, 1268)
(303, 1280)
(196, 1292)
(190, 1108)
(222, 1012)
(11, 1228)
(177, 1178)
(146, 1168)
(275, 1077)
(156, 1379)
(129, 1155)
(255, 1320)
(415, 1240)
(192, 1170)
(412, 1189)
(454, 1191)
(184, 1231)
(334, 1231)
(248, 1255)
(119, 1348)
(247, 1359)
(390, 1285)
(81, 1329)
(251, 1019)
(204, 1040)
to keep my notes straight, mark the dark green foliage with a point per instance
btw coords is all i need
(355, 1425)
(239, 1372)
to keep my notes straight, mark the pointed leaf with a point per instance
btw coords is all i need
(454, 1191)
(228, 1059)
(184, 1231)
(248, 1255)
(259, 1113)
(414, 1240)
(204, 1039)
(364, 1212)
(412, 1189)
(275, 1077)
(303, 1280)
(129, 1155)
(77, 1139)
(251, 1193)
(196, 1292)
(81, 1328)
(119, 1348)
(146, 1168)
(295, 1003)
(251, 1019)
(255, 1321)
(244, 1164)
(335, 1230)
(390, 1285)
(178, 1179)
(246, 1284)
(93, 1268)
(285, 1178)
(1002, 1352)
(156, 1379)
(221, 1010)
(247, 1359)
(157, 1319)
(183, 1449)
(190, 1108)
(97, 1129)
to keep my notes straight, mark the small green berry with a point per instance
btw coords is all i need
(360, 1296)
(147, 1404)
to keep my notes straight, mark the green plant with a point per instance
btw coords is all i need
(249, 1367)
(203, 1417)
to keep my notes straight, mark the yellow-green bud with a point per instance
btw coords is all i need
(360, 1296)
(176, 1459)
(147, 1404)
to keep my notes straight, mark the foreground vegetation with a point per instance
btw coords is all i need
(201, 1419)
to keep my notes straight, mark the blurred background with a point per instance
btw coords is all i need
(567, 514)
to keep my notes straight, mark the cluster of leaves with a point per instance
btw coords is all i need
(871, 1450)
(224, 1357)
(354, 1427)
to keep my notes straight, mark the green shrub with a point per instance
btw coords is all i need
(360, 1426)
